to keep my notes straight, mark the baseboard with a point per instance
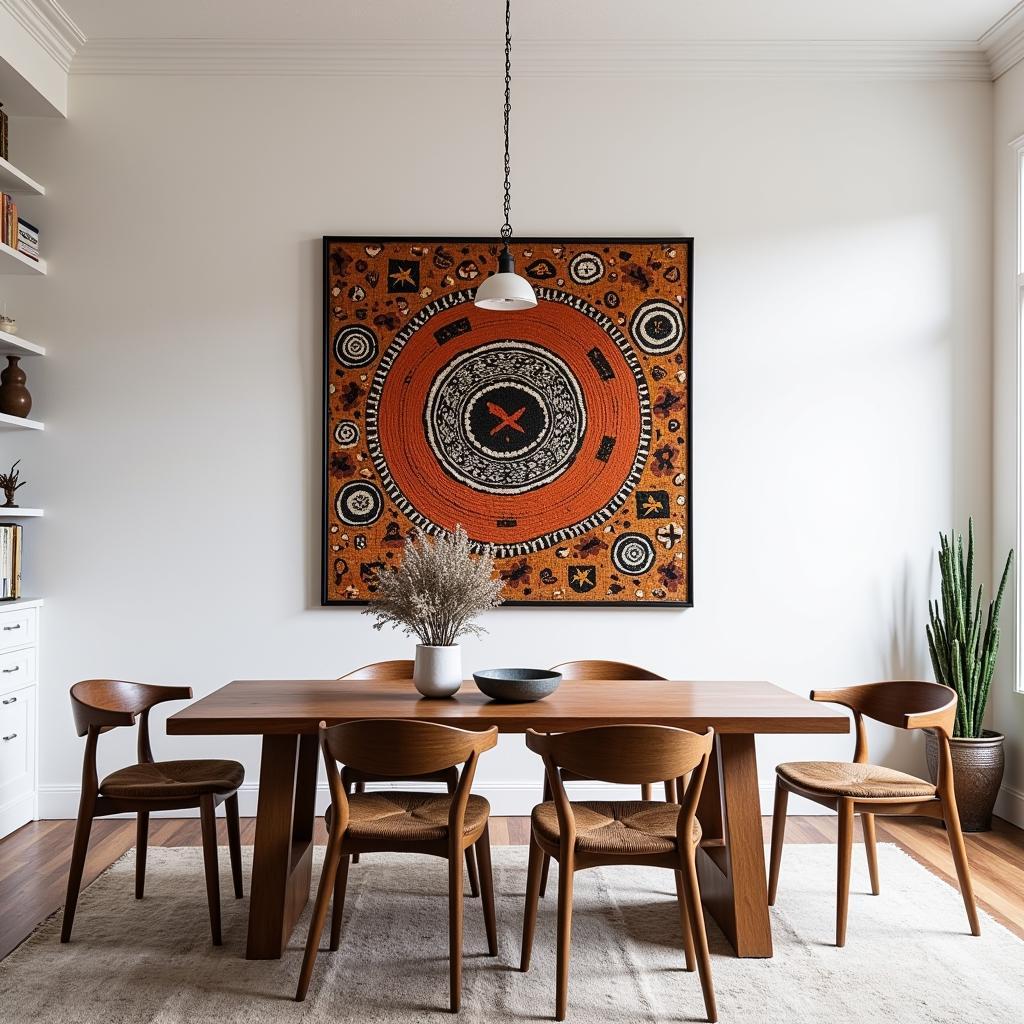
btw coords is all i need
(506, 798)
(1010, 805)
(16, 813)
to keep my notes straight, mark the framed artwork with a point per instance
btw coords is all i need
(559, 436)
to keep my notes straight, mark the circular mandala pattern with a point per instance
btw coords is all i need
(657, 326)
(346, 434)
(632, 554)
(505, 418)
(355, 346)
(359, 504)
(586, 268)
(527, 444)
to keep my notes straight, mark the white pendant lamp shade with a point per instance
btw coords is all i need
(506, 289)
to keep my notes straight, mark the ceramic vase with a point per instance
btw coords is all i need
(15, 399)
(438, 670)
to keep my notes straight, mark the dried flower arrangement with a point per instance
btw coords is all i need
(438, 590)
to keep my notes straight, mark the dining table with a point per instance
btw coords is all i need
(286, 713)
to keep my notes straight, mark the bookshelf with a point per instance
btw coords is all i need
(18, 423)
(19, 513)
(12, 345)
(15, 182)
(14, 262)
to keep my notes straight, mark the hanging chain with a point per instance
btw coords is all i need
(506, 228)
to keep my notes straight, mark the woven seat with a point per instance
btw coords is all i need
(861, 781)
(394, 815)
(166, 780)
(620, 827)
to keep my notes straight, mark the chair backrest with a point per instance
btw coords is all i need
(903, 704)
(603, 670)
(108, 703)
(402, 749)
(401, 668)
(625, 754)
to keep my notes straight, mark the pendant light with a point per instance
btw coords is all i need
(506, 289)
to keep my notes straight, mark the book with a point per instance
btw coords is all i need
(10, 561)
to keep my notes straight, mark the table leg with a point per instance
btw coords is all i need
(730, 863)
(283, 854)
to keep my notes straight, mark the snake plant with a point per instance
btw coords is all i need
(963, 655)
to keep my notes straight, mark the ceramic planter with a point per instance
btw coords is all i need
(977, 775)
(438, 670)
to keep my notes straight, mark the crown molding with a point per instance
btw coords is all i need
(50, 26)
(1003, 43)
(642, 59)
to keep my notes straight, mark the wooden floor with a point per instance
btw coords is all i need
(34, 860)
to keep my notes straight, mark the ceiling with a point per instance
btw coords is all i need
(751, 20)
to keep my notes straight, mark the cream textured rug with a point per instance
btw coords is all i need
(909, 956)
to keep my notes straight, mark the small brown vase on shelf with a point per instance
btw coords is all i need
(15, 399)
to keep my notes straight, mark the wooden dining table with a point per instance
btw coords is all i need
(286, 713)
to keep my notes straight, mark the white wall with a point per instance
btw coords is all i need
(1007, 706)
(841, 367)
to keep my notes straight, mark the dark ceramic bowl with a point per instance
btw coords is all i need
(517, 685)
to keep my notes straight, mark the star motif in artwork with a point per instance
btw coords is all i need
(403, 276)
(651, 506)
(581, 577)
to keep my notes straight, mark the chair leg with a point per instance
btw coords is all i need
(338, 907)
(208, 816)
(684, 920)
(670, 791)
(234, 842)
(778, 838)
(483, 858)
(360, 787)
(846, 814)
(316, 923)
(646, 791)
(533, 873)
(474, 878)
(78, 853)
(544, 868)
(141, 843)
(963, 869)
(870, 848)
(565, 873)
(691, 889)
(455, 929)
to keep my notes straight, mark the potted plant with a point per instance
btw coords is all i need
(964, 659)
(436, 594)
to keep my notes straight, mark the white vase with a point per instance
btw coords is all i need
(438, 671)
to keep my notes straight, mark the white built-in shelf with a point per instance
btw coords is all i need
(12, 345)
(19, 513)
(15, 182)
(14, 262)
(18, 423)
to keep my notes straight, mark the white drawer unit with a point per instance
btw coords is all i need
(19, 657)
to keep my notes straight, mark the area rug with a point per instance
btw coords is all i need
(909, 956)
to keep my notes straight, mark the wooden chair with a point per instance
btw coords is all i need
(402, 668)
(592, 833)
(866, 789)
(437, 824)
(600, 670)
(103, 704)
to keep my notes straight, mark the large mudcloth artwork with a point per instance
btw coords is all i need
(559, 436)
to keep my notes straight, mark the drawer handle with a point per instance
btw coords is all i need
(7, 671)
(11, 737)
(9, 700)
(7, 629)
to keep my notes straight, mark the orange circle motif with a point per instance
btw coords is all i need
(527, 432)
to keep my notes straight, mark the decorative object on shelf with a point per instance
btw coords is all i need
(7, 323)
(8, 220)
(964, 658)
(4, 128)
(506, 290)
(15, 399)
(517, 685)
(562, 444)
(9, 484)
(436, 594)
(10, 561)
